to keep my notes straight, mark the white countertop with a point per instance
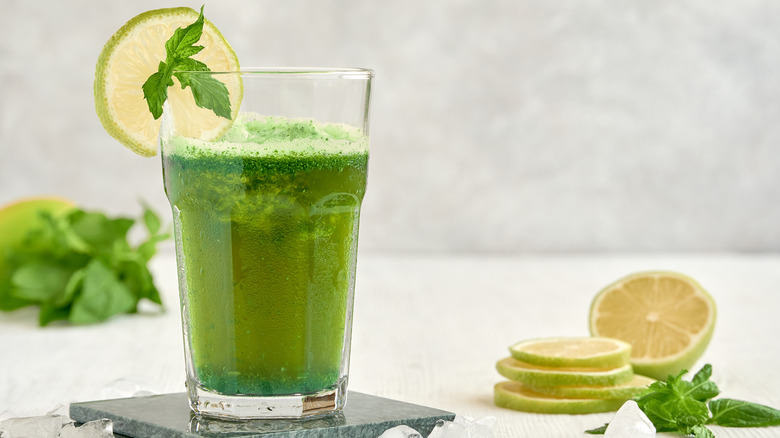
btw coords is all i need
(427, 330)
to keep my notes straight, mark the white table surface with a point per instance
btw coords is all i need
(427, 330)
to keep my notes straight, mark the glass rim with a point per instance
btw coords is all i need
(318, 72)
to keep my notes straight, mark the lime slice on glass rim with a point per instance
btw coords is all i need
(132, 54)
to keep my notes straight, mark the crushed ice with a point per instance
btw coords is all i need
(460, 427)
(54, 426)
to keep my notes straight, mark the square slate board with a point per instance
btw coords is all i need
(169, 416)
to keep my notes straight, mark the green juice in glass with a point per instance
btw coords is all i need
(267, 222)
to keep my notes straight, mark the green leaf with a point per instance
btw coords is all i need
(700, 387)
(702, 432)
(599, 430)
(156, 89)
(39, 281)
(102, 296)
(8, 302)
(72, 288)
(100, 232)
(688, 412)
(180, 45)
(151, 221)
(147, 249)
(209, 92)
(50, 312)
(659, 413)
(190, 64)
(737, 413)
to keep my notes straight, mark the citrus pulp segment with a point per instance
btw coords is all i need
(573, 352)
(623, 391)
(514, 395)
(132, 54)
(667, 318)
(534, 375)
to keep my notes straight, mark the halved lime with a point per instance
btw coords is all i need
(535, 375)
(573, 352)
(668, 319)
(514, 395)
(132, 54)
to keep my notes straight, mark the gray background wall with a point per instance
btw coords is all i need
(509, 126)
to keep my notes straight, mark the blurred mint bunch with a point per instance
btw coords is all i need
(80, 267)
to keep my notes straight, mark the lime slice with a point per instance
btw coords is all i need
(534, 375)
(514, 395)
(667, 318)
(132, 54)
(622, 391)
(573, 352)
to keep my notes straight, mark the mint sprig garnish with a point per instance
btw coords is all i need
(209, 93)
(80, 267)
(676, 405)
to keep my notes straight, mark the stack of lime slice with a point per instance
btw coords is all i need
(568, 376)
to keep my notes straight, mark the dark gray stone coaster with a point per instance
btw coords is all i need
(169, 416)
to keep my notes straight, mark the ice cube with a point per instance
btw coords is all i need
(45, 426)
(402, 431)
(102, 428)
(630, 422)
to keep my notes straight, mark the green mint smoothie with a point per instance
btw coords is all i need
(267, 222)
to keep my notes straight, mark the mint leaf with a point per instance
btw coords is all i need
(151, 220)
(701, 388)
(39, 281)
(209, 92)
(50, 312)
(737, 413)
(702, 432)
(156, 89)
(180, 45)
(677, 405)
(102, 296)
(598, 430)
(80, 267)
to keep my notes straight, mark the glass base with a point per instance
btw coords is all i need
(241, 407)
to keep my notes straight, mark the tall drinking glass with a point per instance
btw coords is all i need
(266, 209)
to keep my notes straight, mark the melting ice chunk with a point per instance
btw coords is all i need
(630, 422)
(92, 429)
(47, 426)
(54, 426)
(402, 431)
